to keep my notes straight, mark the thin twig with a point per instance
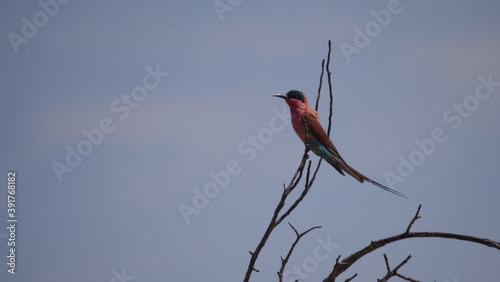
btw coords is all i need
(387, 263)
(315, 172)
(394, 272)
(285, 260)
(320, 83)
(401, 264)
(417, 216)
(303, 117)
(329, 75)
(298, 174)
(302, 196)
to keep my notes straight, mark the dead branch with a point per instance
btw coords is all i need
(342, 266)
(329, 75)
(320, 83)
(284, 261)
(414, 219)
(394, 272)
(273, 223)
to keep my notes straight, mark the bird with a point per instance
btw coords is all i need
(305, 122)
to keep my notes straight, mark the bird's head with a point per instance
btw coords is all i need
(294, 98)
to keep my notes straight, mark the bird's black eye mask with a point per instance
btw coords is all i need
(295, 94)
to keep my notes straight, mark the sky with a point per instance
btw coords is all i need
(147, 146)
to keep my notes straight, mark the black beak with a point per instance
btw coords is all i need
(284, 96)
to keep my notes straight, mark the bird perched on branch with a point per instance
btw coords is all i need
(306, 125)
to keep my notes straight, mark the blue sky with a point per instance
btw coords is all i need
(196, 88)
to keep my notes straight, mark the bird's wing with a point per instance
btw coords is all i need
(317, 132)
(319, 142)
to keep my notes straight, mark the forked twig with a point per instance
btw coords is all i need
(394, 272)
(284, 261)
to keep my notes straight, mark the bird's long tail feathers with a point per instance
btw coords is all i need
(386, 188)
(361, 177)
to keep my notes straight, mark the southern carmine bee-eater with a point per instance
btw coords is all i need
(306, 125)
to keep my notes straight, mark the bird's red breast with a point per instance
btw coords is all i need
(299, 109)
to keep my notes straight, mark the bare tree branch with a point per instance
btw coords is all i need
(417, 216)
(320, 83)
(302, 195)
(273, 223)
(285, 260)
(340, 267)
(393, 272)
(329, 75)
